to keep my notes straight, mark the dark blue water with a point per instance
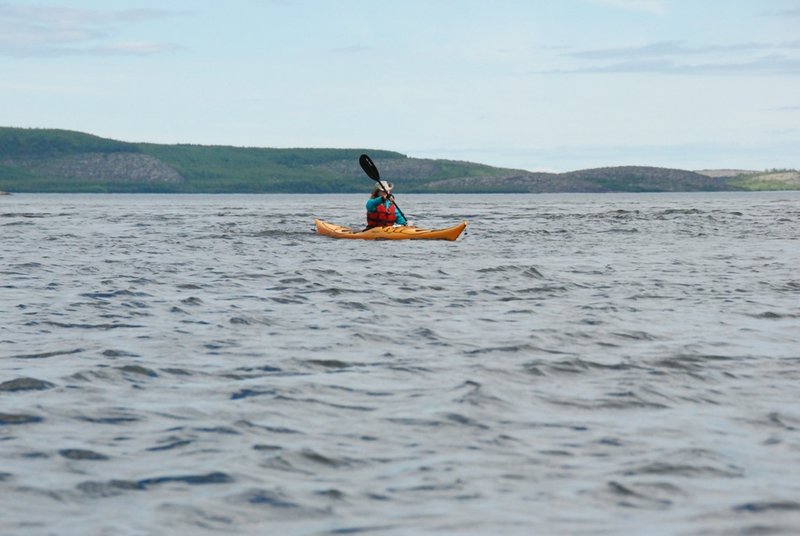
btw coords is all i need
(608, 364)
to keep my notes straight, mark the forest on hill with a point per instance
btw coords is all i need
(50, 160)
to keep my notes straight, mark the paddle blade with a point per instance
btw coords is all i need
(369, 167)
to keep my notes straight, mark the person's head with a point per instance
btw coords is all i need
(378, 191)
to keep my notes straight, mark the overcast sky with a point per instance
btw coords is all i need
(534, 84)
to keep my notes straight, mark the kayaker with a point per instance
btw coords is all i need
(381, 210)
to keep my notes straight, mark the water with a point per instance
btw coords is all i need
(607, 364)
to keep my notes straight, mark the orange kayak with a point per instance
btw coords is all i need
(390, 233)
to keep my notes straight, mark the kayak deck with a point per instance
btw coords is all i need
(390, 233)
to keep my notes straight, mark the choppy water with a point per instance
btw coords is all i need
(611, 364)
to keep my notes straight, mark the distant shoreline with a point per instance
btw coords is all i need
(62, 161)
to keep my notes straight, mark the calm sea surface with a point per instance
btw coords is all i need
(573, 364)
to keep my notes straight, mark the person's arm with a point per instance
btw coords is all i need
(400, 220)
(372, 203)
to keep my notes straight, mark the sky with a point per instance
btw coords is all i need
(542, 85)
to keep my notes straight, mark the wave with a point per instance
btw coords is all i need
(46, 355)
(530, 272)
(571, 366)
(115, 487)
(83, 455)
(760, 507)
(26, 384)
(7, 419)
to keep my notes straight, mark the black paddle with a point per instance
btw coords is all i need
(371, 170)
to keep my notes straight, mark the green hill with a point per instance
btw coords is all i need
(48, 160)
(39, 160)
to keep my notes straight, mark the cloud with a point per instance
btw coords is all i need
(352, 49)
(671, 48)
(654, 7)
(774, 64)
(139, 48)
(47, 31)
(795, 12)
(676, 57)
